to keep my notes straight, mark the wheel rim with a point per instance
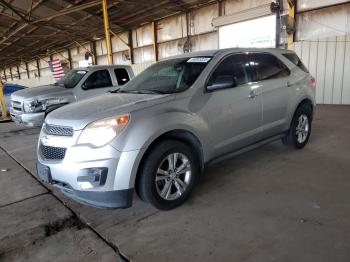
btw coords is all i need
(302, 129)
(173, 176)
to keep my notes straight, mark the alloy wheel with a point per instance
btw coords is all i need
(302, 129)
(173, 176)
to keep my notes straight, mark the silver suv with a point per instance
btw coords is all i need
(30, 106)
(158, 132)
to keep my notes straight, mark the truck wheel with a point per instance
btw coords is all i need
(300, 129)
(168, 175)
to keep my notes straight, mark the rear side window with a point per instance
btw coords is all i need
(267, 66)
(296, 60)
(234, 67)
(122, 76)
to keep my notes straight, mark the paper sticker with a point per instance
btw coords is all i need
(198, 60)
(81, 72)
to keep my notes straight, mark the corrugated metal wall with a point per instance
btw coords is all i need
(328, 60)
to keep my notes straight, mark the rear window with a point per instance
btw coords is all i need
(296, 60)
(122, 76)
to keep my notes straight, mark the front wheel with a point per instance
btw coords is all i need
(300, 128)
(168, 175)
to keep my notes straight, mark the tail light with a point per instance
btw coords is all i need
(313, 82)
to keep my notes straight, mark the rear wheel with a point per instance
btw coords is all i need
(168, 174)
(300, 128)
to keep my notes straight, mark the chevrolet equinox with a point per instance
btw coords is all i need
(156, 133)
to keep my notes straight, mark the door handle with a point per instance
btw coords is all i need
(253, 94)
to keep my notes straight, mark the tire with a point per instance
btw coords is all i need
(167, 192)
(300, 128)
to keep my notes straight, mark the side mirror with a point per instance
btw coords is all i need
(221, 83)
(87, 85)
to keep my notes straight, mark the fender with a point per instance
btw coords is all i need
(143, 132)
(296, 105)
(300, 93)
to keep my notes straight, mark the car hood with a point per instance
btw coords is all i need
(80, 114)
(40, 92)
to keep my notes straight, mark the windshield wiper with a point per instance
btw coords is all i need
(147, 91)
(142, 91)
(59, 84)
(117, 90)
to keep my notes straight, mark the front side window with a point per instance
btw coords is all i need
(122, 76)
(170, 76)
(71, 79)
(98, 79)
(268, 66)
(233, 69)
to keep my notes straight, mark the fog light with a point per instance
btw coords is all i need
(92, 177)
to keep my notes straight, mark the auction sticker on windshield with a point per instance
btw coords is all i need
(198, 60)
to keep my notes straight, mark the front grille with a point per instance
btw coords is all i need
(52, 153)
(16, 105)
(58, 130)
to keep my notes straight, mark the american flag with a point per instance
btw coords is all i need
(56, 68)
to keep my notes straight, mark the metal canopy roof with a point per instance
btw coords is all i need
(31, 28)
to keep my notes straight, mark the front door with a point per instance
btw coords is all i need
(235, 113)
(98, 82)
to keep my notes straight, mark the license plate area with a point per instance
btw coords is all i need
(44, 173)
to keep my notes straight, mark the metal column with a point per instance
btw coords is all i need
(291, 12)
(2, 102)
(108, 36)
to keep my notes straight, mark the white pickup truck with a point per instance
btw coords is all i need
(30, 106)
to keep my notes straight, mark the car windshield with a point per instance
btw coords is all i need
(170, 76)
(71, 79)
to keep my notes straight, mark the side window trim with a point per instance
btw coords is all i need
(297, 62)
(249, 71)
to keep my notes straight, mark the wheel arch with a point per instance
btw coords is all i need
(182, 135)
(302, 101)
(306, 101)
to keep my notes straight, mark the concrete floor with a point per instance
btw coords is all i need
(270, 204)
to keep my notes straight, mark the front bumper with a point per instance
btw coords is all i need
(27, 119)
(108, 199)
(115, 191)
(98, 199)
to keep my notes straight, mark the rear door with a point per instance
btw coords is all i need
(234, 114)
(272, 76)
(98, 82)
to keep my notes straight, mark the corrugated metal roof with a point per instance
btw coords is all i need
(31, 28)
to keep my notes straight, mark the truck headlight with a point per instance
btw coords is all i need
(53, 101)
(101, 132)
(32, 106)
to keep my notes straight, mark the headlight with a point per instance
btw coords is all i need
(32, 106)
(101, 132)
(53, 101)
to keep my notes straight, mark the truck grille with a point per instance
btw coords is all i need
(52, 153)
(16, 105)
(58, 130)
